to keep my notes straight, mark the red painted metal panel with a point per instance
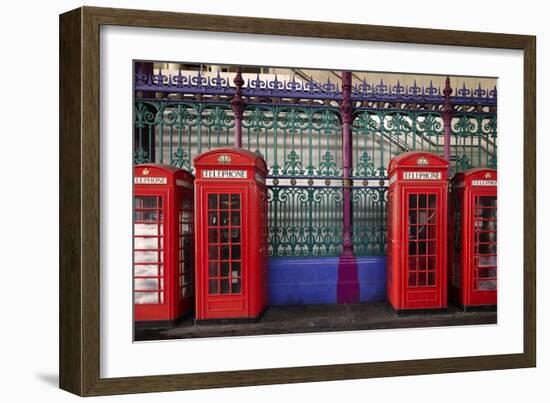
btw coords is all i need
(231, 234)
(473, 218)
(417, 231)
(163, 243)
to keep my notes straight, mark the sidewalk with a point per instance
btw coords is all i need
(320, 318)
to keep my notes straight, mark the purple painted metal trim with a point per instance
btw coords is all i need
(447, 117)
(310, 89)
(345, 113)
(238, 105)
(348, 282)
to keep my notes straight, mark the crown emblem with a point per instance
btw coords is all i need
(488, 175)
(422, 162)
(224, 159)
(145, 171)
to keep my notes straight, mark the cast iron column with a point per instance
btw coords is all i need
(237, 104)
(345, 113)
(447, 116)
(348, 285)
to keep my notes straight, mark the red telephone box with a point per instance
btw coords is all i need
(473, 238)
(417, 231)
(163, 243)
(231, 234)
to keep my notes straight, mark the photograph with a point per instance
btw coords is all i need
(251, 200)
(282, 200)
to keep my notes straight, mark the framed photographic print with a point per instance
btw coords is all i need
(249, 201)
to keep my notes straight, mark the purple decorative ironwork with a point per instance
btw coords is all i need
(190, 84)
(311, 89)
(237, 105)
(447, 117)
(308, 89)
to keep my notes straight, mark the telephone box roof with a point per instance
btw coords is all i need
(237, 157)
(474, 172)
(410, 159)
(170, 170)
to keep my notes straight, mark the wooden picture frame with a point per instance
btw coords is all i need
(80, 199)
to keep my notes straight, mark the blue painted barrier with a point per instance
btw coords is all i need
(296, 281)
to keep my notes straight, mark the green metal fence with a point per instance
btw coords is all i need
(304, 143)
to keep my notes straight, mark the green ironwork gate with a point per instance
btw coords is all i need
(302, 145)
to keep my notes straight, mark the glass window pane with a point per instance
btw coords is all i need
(224, 202)
(432, 233)
(225, 288)
(187, 278)
(432, 215)
(224, 269)
(224, 218)
(488, 236)
(422, 263)
(412, 201)
(431, 278)
(412, 248)
(146, 243)
(145, 229)
(213, 253)
(235, 252)
(412, 263)
(224, 235)
(486, 261)
(236, 286)
(236, 269)
(412, 279)
(148, 216)
(422, 217)
(213, 269)
(487, 285)
(235, 202)
(235, 218)
(146, 298)
(146, 270)
(186, 292)
(146, 201)
(213, 235)
(212, 218)
(432, 247)
(422, 279)
(146, 284)
(422, 202)
(146, 257)
(213, 202)
(213, 286)
(421, 248)
(235, 235)
(422, 232)
(412, 232)
(488, 248)
(488, 201)
(432, 262)
(224, 255)
(487, 272)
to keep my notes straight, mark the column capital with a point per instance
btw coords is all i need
(447, 111)
(346, 107)
(237, 103)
